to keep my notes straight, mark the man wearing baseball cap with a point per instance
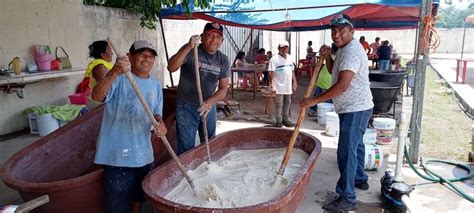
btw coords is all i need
(283, 82)
(124, 143)
(214, 71)
(350, 92)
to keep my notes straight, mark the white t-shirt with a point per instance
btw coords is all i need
(282, 69)
(357, 97)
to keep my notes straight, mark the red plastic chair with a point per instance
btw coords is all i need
(304, 65)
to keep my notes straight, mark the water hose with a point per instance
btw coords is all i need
(433, 177)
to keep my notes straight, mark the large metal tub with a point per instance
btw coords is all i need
(61, 164)
(162, 180)
(384, 95)
(395, 77)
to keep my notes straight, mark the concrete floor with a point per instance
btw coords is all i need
(427, 197)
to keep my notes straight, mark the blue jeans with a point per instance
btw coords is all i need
(384, 64)
(187, 123)
(351, 152)
(123, 187)
(318, 91)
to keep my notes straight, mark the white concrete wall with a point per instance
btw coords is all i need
(67, 23)
(177, 33)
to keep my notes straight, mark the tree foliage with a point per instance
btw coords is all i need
(452, 17)
(149, 9)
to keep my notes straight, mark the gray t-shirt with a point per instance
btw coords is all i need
(212, 68)
(357, 97)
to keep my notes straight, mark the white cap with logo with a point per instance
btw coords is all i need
(283, 43)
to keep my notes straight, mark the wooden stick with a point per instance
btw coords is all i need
(309, 92)
(152, 118)
(203, 117)
(32, 204)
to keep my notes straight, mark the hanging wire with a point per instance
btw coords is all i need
(430, 38)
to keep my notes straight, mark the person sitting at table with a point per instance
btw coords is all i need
(309, 51)
(395, 58)
(269, 55)
(384, 56)
(239, 61)
(374, 48)
(365, 44)
(261, 58)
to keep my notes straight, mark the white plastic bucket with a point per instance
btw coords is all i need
(332, 124)
(46, 124)
(62, 123)
(321, 111)
(370, 136)
(373, 157)
(384, 127)
(33, 123)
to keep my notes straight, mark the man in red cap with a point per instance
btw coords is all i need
(214, 70)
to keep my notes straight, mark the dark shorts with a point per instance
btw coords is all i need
(123, 186)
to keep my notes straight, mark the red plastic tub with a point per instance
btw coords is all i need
(61, 164)
(159, 182)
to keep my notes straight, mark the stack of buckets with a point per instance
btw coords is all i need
(327, 116)
(373, 153)
(43, 124)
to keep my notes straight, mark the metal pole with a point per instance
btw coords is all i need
(251, 44)
(418, 97)
(166, 49)
(463, 38)
(415, 53)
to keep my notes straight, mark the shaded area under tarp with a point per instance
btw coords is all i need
(305, 15)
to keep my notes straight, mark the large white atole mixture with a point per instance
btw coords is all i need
(240, 178)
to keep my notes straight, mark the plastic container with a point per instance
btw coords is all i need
(46, 124)
(370, 136)
(321, 111)
(61, 164)
(384, 128)
(78, 99)
(43, 61)
(162, 179)
(32, 121)
(373, 157)
(62, 123)
(332, 124)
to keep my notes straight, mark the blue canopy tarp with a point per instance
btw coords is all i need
(303, 15)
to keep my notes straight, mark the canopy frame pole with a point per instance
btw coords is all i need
(420, 75)
(236, 47)
(166, 49)
(463, 39)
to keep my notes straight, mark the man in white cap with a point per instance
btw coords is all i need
(124, 143)
(350, 92)
(283, 82)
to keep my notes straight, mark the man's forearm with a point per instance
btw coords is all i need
(217, 96)
(102, 87)
(177, 60)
